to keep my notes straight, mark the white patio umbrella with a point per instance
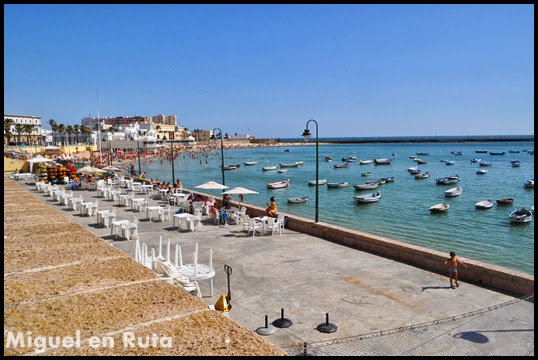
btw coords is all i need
(211, 185)
(89, 170)
(51, 147)
(240, 191)
(111, 168)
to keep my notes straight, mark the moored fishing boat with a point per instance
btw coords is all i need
(282, 171)
(369, 186)
(441, 207)
(520, 216)
(529, 183)
(337, 185)
(365, 162)
(320, 182)
(296, 200)
(341, 166)
(250, 163)
(424, 175)
(481, 172)
(368, 198)
(368, 173)
(328, 158)
(456, 191)
(229, 167)
(269, 168)
(505, 201)
(278, 184)
(484, 204)
(383, 161)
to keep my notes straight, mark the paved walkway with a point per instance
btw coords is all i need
(309, 278)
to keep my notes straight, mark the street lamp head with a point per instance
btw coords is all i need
(306, 134)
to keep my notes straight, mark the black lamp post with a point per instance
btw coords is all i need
(306, 135)
(138, 151)
(221, 153)
(172, 158)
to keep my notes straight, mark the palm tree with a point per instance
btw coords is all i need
(85, 131)
(61, 129)
(19, 129)
(69, 131)
(76, 129)
(53, 126)
(29, 128)
(7, 129)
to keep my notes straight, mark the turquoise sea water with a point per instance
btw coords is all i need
(403, 210)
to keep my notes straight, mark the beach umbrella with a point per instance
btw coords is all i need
(240, 191)
(211, 185)
(111, 168)
(89, 170)
(51, 147)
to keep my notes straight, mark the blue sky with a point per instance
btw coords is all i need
(265, 70)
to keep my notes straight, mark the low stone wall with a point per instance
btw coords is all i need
(482, 274)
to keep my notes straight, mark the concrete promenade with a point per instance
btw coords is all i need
(309, 277)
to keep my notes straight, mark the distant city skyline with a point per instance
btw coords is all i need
(359, 70)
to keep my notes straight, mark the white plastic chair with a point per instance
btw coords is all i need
(280, 222)
(254, 226)
(240, 216)
(272, 225)
(165, 213)
(246, 221)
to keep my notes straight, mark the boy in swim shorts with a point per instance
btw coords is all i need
(453, 269)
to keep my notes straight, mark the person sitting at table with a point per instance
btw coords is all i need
(271, 208)
(178, 184)
(226, 201)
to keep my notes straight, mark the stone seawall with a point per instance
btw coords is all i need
(490, 276)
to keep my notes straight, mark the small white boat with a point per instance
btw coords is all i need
(365, 162)
(516, 163)
(412, 168)
(337, 185)
(450, 162)
(481, 171)
(389, 179)
(520, 216)
(294, 164)
(251, 163)
(295, 200)
(230, 167)
(439, 207)
(328, 158)
(369, 186)
(368, 198)
(484, 204)
(383, 161)
(278, 184)
(454, 191)
(282, 171)
(422, 176)
(340, 166)
(485, 163)
(269, 168)
(529, 183)
(447, 180)
(320, 182)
